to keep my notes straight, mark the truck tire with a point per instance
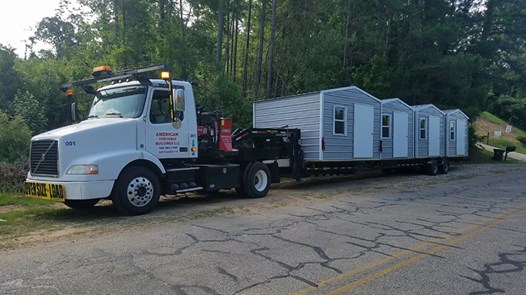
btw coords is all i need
(81, 204)
(256, 180)
(136, 191)
(432, 167)
(444, 168)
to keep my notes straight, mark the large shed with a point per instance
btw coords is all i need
(397, 133)
(456, 133)
(340, 124)
(429, 131)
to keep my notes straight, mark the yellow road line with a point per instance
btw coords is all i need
(464, 232)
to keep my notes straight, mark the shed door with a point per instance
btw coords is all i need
(434, 136)
(363, 131)
(461, 137)
(400, 134)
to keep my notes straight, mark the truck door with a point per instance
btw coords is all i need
(164, 138)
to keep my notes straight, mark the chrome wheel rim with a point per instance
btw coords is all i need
(260, 180)
(140, 191)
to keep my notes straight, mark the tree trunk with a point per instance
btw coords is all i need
(259, 72)
(221, 24)
(234, 48)
(183, 42)
(347, 39)
(247, 46)
(228, 34)
(271, 49)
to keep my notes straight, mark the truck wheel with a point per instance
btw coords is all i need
(444, 168)
(136, 191)
(81, 204)
(432, 168)
(256, 180)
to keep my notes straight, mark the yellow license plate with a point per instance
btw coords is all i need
(47, 191)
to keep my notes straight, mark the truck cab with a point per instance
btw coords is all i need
(129, 124)
(140, 140)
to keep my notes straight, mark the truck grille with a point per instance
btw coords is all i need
(44, 157)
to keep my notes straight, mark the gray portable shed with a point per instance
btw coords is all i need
(397, 129)
(327, 122)
(429, 131)
(456, 133)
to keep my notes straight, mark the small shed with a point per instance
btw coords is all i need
(429, 131)
(456, 133)
(397, 129)
(339, 124)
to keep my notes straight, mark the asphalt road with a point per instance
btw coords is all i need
(386, 235)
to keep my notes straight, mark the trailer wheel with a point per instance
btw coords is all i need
(432, 167)
(256, 180)
(136, 191)
(444, 168)
(81, 204)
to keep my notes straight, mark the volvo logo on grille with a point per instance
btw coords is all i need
(43, 157)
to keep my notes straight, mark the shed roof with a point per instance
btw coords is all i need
(452, 111)
(349, 88)
(425, 106)
(396, 100)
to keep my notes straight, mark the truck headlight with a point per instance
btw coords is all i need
(83, 169)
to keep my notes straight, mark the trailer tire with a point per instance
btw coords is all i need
(136, 191)
(81, 204)
(444, 168)
(432, 167)
(256, 180)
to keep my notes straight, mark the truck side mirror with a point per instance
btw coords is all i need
(179, 102)
(73, 111)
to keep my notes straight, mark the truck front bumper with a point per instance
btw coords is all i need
(59, 191)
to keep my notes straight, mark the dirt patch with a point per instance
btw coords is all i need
(7, 208)
(66, 234)
(484, 127)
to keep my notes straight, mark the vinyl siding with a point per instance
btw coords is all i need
(339, 147)
(422, 145)
(300, 111)
(451, 145)
(389, 107)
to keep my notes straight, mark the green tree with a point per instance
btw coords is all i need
(9, 79)
(15, 136)
(30, 108)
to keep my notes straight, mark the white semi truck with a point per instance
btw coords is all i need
(143, 138)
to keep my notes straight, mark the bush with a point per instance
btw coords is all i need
(522, 139)
(12, 176)
(15, 137)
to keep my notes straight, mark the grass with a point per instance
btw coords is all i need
(492, 118)
(503, 143)
(479, 156)
(507, 139)
(22, 217)
(16, 199)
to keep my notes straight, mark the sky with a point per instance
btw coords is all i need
(19, 18)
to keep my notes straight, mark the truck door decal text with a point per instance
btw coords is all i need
(167, 142)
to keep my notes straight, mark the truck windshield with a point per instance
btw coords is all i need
(123, 102)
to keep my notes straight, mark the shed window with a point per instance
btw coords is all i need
(422, 128)
(386, 126)
(340, 118)
(452, 130)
